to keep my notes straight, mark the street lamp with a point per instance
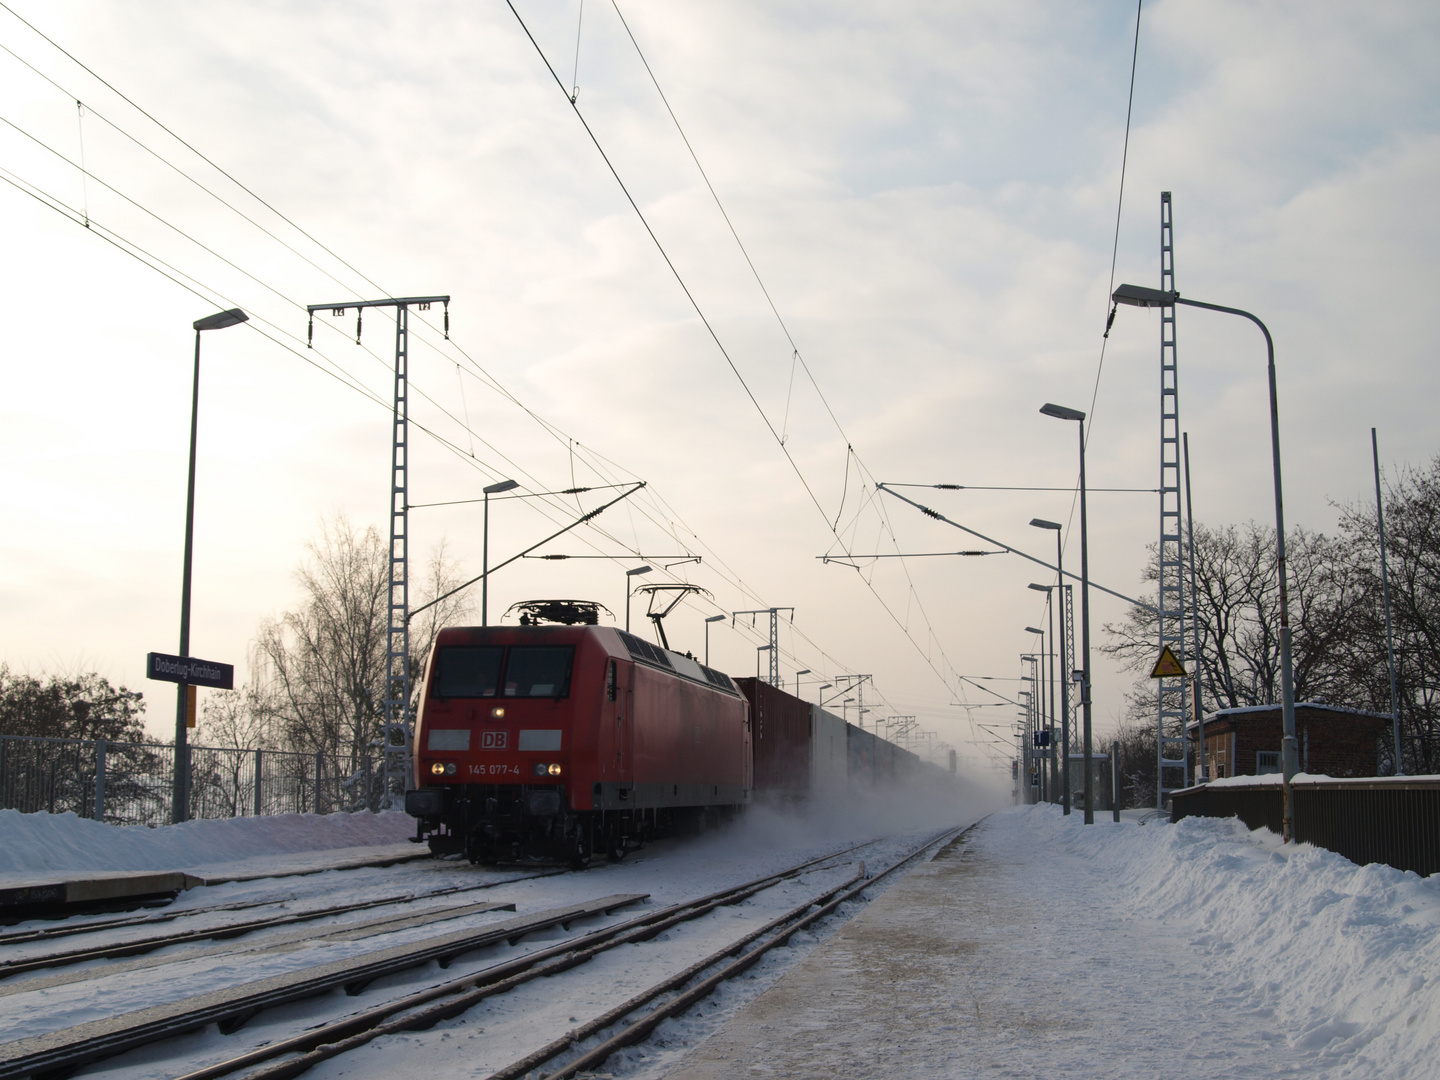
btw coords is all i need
(1138, 296)
(1041, 523)
(492, 489)
(712, 618)
(1060, 412)
(1050, 611)
(180, 786)
(802, 671)
(1046, 723)
(1035, 714)
(630, 592)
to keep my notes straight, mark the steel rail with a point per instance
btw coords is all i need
(392, 920)
(233, 1013)
(55, 1054)
(219, 933)
(332, 1040)
(637, 1031)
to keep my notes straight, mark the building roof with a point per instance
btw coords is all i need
(1237, 714)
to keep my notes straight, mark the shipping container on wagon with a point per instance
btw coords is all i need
(875, 761)
(863, 755)
(829, 754)
(780, 732)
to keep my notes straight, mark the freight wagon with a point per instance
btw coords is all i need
(803, 752)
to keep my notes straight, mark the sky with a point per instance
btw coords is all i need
(927, 193)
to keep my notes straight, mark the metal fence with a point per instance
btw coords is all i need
(131, 783)
(1388, 820)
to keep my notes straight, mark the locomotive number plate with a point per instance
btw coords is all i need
(493, 740)
(494, 770)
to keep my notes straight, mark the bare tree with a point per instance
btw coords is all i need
(323, 663)
(1412, 534)
(80, 706)
(240, 719)
(1237, 603)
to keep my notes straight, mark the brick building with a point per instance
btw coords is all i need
(1333, 740)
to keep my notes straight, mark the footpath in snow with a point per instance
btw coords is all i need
(1040, 947)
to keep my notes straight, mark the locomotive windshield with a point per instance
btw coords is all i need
(539, 671)
(463, 671)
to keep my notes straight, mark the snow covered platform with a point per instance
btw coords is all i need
(21, 897)
(1039, 947)
(53, 863)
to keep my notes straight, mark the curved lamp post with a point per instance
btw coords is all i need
(1043, 720)
(711, 619)
(630, 576)
(180, 787)
(1060, 412)
(1041, 523)
(1051, 795)
(492, 489)
(1139, 296)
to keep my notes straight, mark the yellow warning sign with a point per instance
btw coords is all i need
(1168, 666)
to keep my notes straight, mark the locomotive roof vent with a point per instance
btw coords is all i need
(718, 678)
(560, 612)
(642, 650)
(686, 667)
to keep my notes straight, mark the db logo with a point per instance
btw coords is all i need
(492, 740)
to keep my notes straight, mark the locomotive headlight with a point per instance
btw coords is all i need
(450, 768)
(555, 770)
(497, 713)
(437, 769)
(541, 769)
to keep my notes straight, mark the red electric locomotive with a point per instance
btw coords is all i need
(555, 741)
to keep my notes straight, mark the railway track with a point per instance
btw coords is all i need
(222, 932)
(66, 1050)
(690, 986)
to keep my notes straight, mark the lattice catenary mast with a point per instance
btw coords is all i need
(1172, 752)
(398, 728)
(774, 614)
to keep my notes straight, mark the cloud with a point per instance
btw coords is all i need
(929, 193)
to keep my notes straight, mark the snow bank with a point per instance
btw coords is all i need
(1343, 960)
(31, 843)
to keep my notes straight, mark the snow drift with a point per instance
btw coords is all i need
(1344, 960)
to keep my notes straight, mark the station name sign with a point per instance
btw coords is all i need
(188, 669)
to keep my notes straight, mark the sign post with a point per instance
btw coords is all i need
(189, 672)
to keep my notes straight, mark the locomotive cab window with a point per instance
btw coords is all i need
(539, 671)
(467, 671)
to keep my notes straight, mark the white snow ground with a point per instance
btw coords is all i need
(1191, 950)
(1046, 948)
(492, 1034)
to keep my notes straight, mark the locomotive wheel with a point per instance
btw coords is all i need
(580, 852)
(615, 847)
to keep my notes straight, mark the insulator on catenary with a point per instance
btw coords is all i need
(447, 320)
(310, 333)
(359, 314)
